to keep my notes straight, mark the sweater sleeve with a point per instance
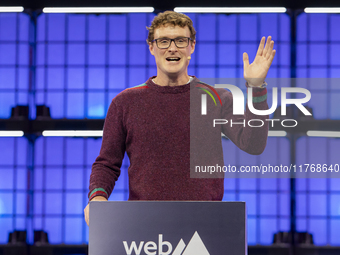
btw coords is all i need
(106, 168)
(252, 140)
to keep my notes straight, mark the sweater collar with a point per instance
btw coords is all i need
(170, 89)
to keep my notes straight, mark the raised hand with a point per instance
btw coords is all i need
(256, 72)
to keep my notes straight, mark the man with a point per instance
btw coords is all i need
(151, 122)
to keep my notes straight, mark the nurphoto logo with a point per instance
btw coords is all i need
(238, 105)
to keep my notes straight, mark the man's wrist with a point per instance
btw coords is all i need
(98, 198)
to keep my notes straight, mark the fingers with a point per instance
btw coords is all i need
(260, 49)
(267, 47)
(245, 60)
(86, 213)
(271, 57)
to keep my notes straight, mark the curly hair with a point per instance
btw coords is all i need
(172, 18)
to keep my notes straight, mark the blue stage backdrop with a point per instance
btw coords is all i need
(83, 61)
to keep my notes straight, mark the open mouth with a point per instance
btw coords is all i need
(173, 59)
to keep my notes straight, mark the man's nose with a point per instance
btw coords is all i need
(172, 46)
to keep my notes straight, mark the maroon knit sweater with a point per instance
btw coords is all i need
(152, 124)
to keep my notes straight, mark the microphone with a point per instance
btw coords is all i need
(189, 57)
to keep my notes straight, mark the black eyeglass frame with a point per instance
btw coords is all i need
(172, 40)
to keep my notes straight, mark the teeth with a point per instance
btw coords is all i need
(172, 58)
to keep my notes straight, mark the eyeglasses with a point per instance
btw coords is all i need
(180, 42)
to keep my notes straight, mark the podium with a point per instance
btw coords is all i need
(167, 228)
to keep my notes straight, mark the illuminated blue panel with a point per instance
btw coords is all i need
(284, 203)
(75, 151)
(54, 228)
(269, 25)
(251, 203)
(248, 27)
(138, 22)
(137, 54)
(6, 203)
(334, 232)
(20, 223)
(6, 226)
(56, 102)
(74, 203)
(268, 204)
(6, 177)
(319, 56)
(73, 230)
(229, 196)
(55, 54)
(117, 196)
(38, 204)
(206, 72)
(55, 78)
(74, 178)
(76, 78)
(76, 27)
(7, 155)
(206, 27)
(53, 203)
(21, 203)
(228, 27)
(229, 184)
(53, 151)
(301, 205)
(206, 55)
(317, 204)
(268, 229)
(118, 33)
(75, 105)
(76, 53)
(117, 78)
(96, 27)
(7, 101)
(96, 54)
(335, 204)
(318, 228)
(137, 76)
(96, 78)
(334, 105)
(56, 24)
(251, 231)
(53, 178)
(93, 147)
(21, 178)
(7, 52)
(316, 29)
(334, 27)
(227, 54)
(117, 53)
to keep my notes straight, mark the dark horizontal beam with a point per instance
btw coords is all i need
(168, 5)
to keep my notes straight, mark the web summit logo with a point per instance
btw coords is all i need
(194, 247)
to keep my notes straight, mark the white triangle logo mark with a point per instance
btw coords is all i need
(196, 246)
(179, 248)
